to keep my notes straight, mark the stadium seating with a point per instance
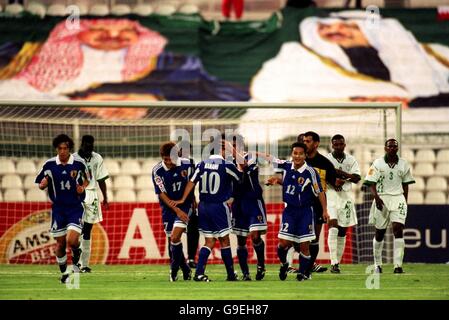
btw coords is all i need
(57, 10)
(148, 165)
(26, 167)
(112, 166)
(144, 182)
(408, 155)
(442, 169)
(423, 169)
(28, 182)
(143, 9)
(14, 9)
(147, 195)
(7, 166)
(165, 9)
(443, 156)
(99, 10)
(125, 195)
(11, 181)
(188, 9)
(120, 10)
(131, 166)
(425, 155)
(436, 184)
(419, 184)
(123, 182)
(435, 197)
(415, 197)
(36, 195)
(37, 9)
(14, 195)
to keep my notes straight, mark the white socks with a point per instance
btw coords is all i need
(341, 244)
(85, 253)
(332, 243)
(398, 251)
(377, 252)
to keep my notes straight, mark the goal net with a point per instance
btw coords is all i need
(128, 136)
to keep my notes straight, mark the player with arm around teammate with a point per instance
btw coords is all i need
(216, 176)
(388, 178)
(300, 186)
(248, 213)
(66, 179)
(170, 177)
(92, 208)
(340, 203)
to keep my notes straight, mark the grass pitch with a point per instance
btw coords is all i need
(138, 282)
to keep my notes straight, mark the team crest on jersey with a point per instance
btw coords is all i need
(301, 180)
(73, 173)
(184, 173)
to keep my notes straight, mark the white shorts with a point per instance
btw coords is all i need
(92, 208)
(340, 207)
(394, 210)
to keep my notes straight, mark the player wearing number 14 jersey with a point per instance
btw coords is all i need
(66, 179)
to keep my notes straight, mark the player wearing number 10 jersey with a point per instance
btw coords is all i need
(215, 176)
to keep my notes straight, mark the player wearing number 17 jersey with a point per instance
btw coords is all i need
(215, 176)
(170, 177)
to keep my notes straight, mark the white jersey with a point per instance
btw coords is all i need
(388, 179)
(96, 168)
(348, 165)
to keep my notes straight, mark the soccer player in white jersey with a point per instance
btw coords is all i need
(340, 203)
(388, 178)
(92, 208)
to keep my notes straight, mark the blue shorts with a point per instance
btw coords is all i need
(171, 220)
(297, 224)
(214, 219)
(65, 218)
(248, 215)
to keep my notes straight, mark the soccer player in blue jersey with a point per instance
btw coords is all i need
(170, 177)
(301, 185)
(249, 213)
(214, 215)
(66, 179)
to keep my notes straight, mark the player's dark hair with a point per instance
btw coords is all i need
(300, 137)
(337, 137)
(63, 138)
(314, 135)
(88, 139)
(166, 148)
(299, 145)
(386, 142)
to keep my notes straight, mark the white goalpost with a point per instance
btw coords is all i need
(128, 135)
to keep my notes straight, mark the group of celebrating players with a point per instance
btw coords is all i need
(316, 189)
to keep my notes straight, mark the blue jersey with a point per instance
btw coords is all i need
(300, 187)
(250, 187)
(173, 181)
(62, 180)
(217, 176)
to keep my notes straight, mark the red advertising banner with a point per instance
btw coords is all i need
(131, 233)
